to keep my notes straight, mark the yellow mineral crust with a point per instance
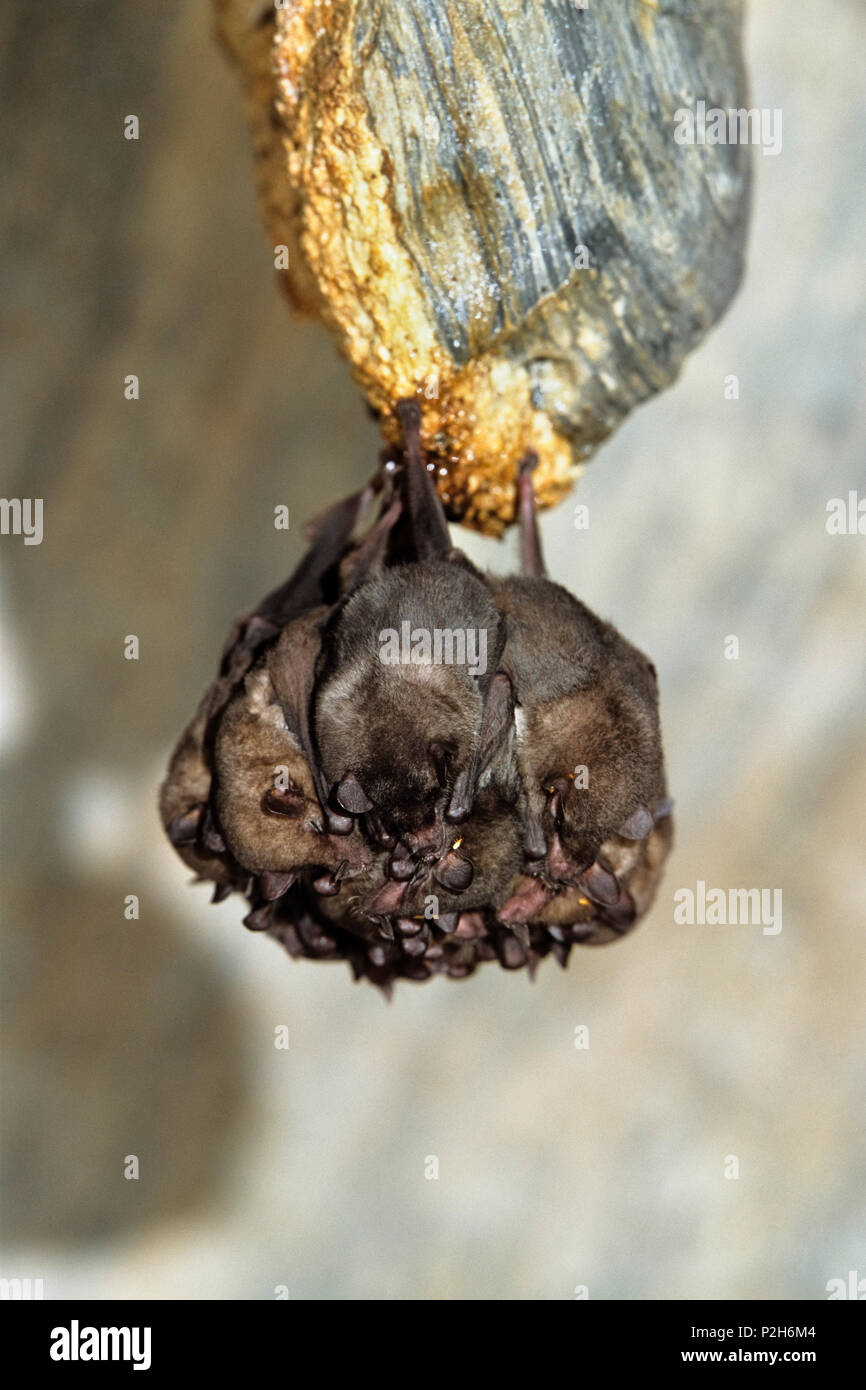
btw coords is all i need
(325, 184)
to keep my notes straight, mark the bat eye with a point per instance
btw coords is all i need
(273, 886)
(557, 789)
(557, 784)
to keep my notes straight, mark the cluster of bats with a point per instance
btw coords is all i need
(420, 817)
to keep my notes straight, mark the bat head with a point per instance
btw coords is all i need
(393, 743)
(264, 793)
(606, 769)
(400, 698)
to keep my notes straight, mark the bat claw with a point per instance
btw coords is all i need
(211, 838)
(350, 795)
(183, 829)
(339, 825)
(521, 931)
(454, 872)
(379, 832)
(555, 808)
(260, 918)
(401, 865)
(284, 802)
(638, 825)
(409, 416)
(530, 540)
(273, 886)
(600, 885)
(427, 516)
(327, 886)
(460, 806)
(439, 758)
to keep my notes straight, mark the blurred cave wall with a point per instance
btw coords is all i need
(154, 1037)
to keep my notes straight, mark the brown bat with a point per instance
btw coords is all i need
(589, 745)
(406, 671)
(415, 767)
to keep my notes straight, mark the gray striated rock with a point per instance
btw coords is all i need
(486, 201)
(545, 128)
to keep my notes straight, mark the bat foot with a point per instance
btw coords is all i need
(528, 464)
(530, 540)
(408, 413)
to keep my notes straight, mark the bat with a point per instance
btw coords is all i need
(402, 730)
(416, 767)
(188, 794)
(589, 744)
(398, 732)
(589, 750)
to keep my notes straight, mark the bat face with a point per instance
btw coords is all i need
(265, 798)
(596, 757)
(402, 753)
(417, 768)
(589, 739)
